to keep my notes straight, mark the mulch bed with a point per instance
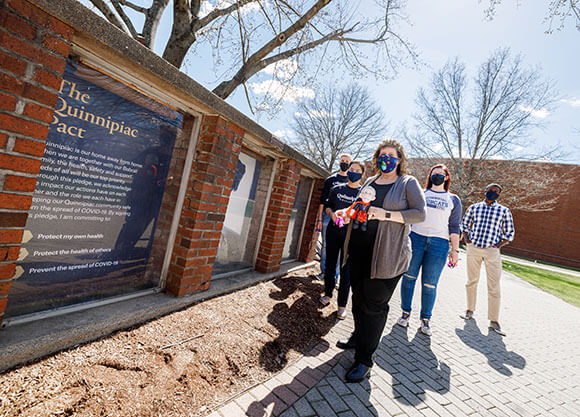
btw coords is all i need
(183, 364)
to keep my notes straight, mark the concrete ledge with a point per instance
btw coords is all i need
(21, 343)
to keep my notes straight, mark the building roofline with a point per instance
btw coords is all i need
(91, 25)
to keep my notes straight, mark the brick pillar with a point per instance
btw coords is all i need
(310, 235)
(33, 51)
(278, 216)
(204, 210)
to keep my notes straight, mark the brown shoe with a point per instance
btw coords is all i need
(494, 325)
(468, 315)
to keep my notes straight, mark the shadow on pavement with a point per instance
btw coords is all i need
(492, 346)
(287, 394)
(413, 366)
(300, 325)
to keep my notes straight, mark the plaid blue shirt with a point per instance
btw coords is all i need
(488, 224)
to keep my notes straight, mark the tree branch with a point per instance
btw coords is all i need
(152, 21)
(117, 5)
(253, 63)
(110, 15)
(133, 6)
(217, 13)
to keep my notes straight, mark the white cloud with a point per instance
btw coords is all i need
(438, 147)
(283, 134)
(283, 70)
(281, 91)
(540, 114)
(573, 102)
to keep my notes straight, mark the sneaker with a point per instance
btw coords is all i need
(494, 325)
(324, 300)
(341, 313)
(425, 329)
(468, 315)
(404, 320)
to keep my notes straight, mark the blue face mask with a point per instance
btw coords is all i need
(491, 196)
(387, 163)
(437, 179)
(354, 176)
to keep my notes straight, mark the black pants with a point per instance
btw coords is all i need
(334, 241)
(370, 303)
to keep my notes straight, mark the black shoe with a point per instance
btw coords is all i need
(357, 372)
(346, 343)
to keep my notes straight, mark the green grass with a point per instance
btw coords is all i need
(567, 287)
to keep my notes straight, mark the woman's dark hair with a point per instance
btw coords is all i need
(360, 164)
(401, 155)
(429, 183)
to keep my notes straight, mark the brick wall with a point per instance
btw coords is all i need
(278, 216)
(33, 51)
(554, 235)
(206, 201)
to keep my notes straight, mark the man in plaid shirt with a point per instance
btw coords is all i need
(486, 227)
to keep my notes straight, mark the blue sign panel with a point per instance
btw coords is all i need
(94, 213)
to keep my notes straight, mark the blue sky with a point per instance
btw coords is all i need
(443, 29)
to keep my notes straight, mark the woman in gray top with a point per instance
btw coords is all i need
(381, 253)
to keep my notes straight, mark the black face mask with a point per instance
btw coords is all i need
(437, 179)
(344, 166)
(353, 176)
(491, 196)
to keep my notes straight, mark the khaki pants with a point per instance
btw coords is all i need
(492, 259)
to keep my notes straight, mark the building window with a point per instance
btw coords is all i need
(239, 239)
(292, 244)
(95, 213)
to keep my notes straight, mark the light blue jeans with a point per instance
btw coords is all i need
(429, 255)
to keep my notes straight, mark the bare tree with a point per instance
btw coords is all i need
(254, 34)
(559, 11)
(482, 133)
(336, 122)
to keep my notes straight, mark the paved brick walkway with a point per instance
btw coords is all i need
(463, 369)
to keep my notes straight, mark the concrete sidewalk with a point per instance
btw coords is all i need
(463, 369)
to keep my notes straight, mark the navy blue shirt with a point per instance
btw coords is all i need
(330, 182)
(340, 197)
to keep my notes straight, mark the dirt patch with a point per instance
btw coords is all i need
(183, 364)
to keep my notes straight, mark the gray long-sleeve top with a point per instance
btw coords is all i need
(392, 250)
